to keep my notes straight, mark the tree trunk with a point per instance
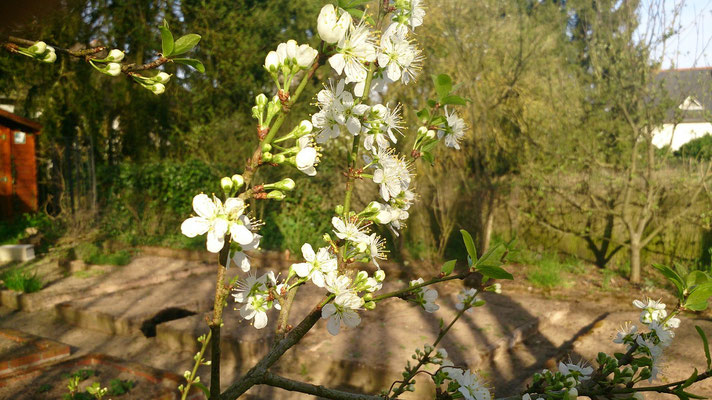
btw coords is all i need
(486, 234)
(635, 261)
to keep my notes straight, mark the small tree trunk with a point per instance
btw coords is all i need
(487, 232)
(635, 261)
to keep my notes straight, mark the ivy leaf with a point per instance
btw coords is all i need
(469, 245)
(166, 39)
(191, 63)
(185, 43)
(706, 345)
(448, 267)
(443, 85)
(697, 300)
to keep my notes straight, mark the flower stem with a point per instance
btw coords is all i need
(198, 360)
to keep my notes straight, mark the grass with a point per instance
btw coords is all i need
(92, 254)
(19, 280)
(547, 270)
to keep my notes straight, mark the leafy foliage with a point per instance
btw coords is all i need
(20, 280)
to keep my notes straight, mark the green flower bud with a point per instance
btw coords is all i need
(50, 56)
(267, 157)
(238, 181)
(369, 305)
(162, 77)
(279, 159)
(157, 88)
(38, 48)
(286, 184)
(276, 195)
(226, 184)
(339, 209)
(257, 113)
(368, 297)
(261, 100)
(326, 237)
(361, 276)
(266, 147)
(380, 275)
(115, 55)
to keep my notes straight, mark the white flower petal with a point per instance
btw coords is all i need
(195, 226)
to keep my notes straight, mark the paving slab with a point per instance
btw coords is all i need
(20, 351)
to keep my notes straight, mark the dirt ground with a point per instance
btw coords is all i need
(589, 313)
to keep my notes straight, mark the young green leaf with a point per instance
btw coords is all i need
(185, 43)
(202, 387)
(423, 115)
(695, 278)
(673, 277)
(443, 85)
(697, 300)
(448, 267)
(452, 99)
(706, 345)
(491, 271)
(166, 39)
(191, 63)
(469, 244)
(493, 257)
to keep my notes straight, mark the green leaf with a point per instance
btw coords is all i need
(697, 300)
(185, 43)
(448, 267)
(492, 257)
(695, 278)
(423, 115)
(443, 85)
(673, 277)
(432, 103)
(428, 157)
(693, 396)
(191, 63)
(469, 244)
(689, 381)
(494, 272)
(202, 387)
(452, 99)
(706, 345)
(166, 39)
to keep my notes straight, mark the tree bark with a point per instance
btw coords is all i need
(635, 260)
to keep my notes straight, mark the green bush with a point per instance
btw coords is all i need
(700, 148)
(20, 280)
(14, 230)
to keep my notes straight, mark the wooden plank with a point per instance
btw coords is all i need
(5, 173)
(25, 173)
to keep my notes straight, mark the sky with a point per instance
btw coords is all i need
(691, 46)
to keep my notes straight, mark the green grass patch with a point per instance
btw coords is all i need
(92, 254)
(19, 280)
(548, 271)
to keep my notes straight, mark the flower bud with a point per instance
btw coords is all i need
(286, 184)
(339, 209)
(380, 275)
(361, 247)
(50, 56)
(226, 184)
(369, 305)
(430, 134)
(115, 55)
(162, 77)
(266, 147)
(422, 130)
(372, 208)
(158, 88)
(305, 56)
(257, 113)
(238, 181)
(362, 275)
(330, 29)
(261, 100)
(305, 128)
(279, 159)
(38, 48)
(267, 156)
(272, 62)
(276, 195)
(326, 237)
(368, 297)
(114, 69)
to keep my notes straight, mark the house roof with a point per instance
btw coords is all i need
(17, 122)
(691, 88)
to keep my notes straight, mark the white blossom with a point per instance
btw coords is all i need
(317, 266)
(471, 385)
(211, 220)
(466, 298)
(342, 310)
(454, 130)
(400, 58)
(425, 296)
(583, 371)
(353, 51)
(348, 230)
(307, 157)
(332, 28)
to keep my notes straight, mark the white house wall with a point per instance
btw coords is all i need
(680, 134)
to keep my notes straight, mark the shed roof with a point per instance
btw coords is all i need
(14, 121)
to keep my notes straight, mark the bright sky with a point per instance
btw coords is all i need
(692, 45)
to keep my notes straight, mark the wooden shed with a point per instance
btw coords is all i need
(18, 166)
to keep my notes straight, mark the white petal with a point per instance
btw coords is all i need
(195, 226)
(247, 312)
(327, 311)
(260, 320)
(241, 234)
(333, 325)
(308, 252)
(241, 261)
(204, 206)
(302, 269)
(353, 125)
(318, 279)
(337, 63)
(234, 205)
(215, 241)
(220, 227)
(351, 318)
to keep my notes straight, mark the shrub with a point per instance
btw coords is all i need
(700, 148)
(92, 254)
